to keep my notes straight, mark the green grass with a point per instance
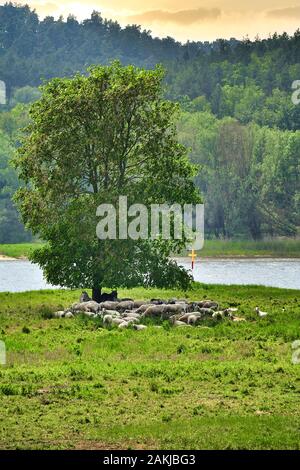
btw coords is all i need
(69, 383)
(288, 248)
(18, 250)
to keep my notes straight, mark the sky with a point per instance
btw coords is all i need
(189, 19)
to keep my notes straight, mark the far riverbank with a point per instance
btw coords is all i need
(279, 248)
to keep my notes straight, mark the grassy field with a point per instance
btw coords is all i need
(212, 248)
(18, 250)
(69, 383)
(270, 248)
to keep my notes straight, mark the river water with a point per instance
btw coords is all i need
(21, 275)
(283, 273)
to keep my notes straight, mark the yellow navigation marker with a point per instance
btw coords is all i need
(193, 256)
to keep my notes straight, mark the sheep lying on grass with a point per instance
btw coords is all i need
(206, 304)
(139, 327)
(90, 306)
(59, 314)
(108, 305)
(132, 313)
(142, 308)
(127, 305)
(165, 310)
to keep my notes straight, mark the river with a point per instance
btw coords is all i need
(21, 275)
(283, 273)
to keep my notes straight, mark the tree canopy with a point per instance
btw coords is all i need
(91, 139)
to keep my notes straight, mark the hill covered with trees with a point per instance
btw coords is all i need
(237, 114)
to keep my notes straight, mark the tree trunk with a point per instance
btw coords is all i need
(255, 228)
(96, 294)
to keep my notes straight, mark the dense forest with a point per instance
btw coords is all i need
(237, 116)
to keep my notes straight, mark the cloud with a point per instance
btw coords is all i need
(292, 12)
(44, 9)
(182, 17)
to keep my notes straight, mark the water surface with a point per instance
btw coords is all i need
(283, 273)
(21, 275)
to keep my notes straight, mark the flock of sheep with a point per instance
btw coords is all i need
(128, 312)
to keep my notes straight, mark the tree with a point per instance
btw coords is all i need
(91, 139)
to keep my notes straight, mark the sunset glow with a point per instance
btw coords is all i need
(192, 19)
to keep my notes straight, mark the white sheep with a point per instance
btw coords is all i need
(69, 315)
(139, 303)
(108, 305)
(78, 307)
(117, 321)
(153, 310)
(131, 319)
(125, 305)
(92, 306)
(85, 307)
(218, 315)
(208, 312)
(205, 304)
(59, 314)
(186, 316)
(260, 313)
(175, 308)
(192, 319)
(113, 313)
(173, 320)
(142, 308)
(130, 314)
(139, 327)
(180, 323)
(107, 319)
(90, 314)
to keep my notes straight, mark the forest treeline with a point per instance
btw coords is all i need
(248, 174)
(237, 116)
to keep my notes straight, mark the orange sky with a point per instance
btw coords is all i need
(189, 19)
